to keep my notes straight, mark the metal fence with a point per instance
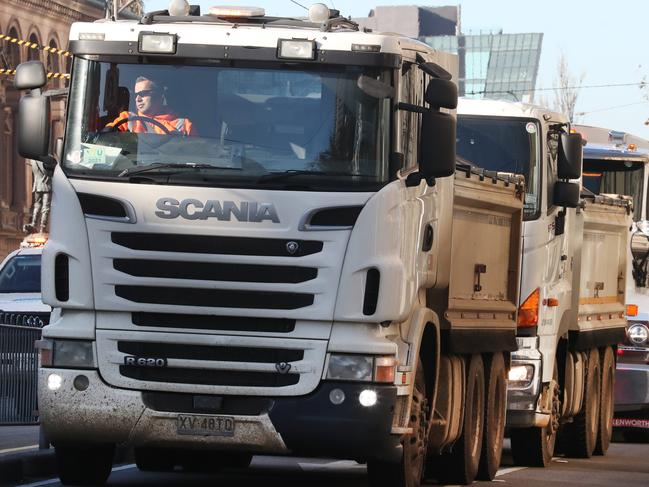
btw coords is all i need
(19, 372)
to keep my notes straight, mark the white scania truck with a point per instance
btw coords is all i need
(303, 272)
(572, 287)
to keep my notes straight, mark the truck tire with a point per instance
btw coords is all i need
(605, 430)
(409, 472)
(579, 437)
(461, 464)
(154, 459)
(495, 414)
(84, 464)
(534, 447)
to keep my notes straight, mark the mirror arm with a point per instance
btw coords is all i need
(411, 108)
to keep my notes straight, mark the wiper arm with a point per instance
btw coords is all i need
(277, 176)
(161, 165)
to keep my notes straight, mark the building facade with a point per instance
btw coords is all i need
(494, 65)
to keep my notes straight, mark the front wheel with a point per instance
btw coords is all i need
(408, 472)
(84, 464)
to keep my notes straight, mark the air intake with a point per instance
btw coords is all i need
(344, 216)
(372, 282)
(94, 205)
(62, 277)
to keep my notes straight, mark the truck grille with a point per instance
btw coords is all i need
(210, 364)
(203, 244)
(212, 322)
(36, 320)
(222, 298)
(210, 377)
(206, 271)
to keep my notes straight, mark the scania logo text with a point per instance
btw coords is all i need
(192, 209)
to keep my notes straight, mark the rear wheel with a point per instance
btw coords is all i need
(579, 437)
(408, 472)
(605, 431)
(460, 466)
(495, 413)
(84, 464)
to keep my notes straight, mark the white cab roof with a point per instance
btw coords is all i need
(502, 108)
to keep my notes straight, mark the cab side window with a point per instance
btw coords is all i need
(551, 167)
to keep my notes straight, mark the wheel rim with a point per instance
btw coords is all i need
(416, 444)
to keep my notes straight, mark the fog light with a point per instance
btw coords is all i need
(337, 396)
(367, 398)
(81, 382)
(296, 49)
(54, 382)
(157, 43)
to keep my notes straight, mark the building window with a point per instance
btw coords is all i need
(53, 63)
(10, 52)
(33, 54)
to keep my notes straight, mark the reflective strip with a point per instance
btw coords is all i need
(180, 123)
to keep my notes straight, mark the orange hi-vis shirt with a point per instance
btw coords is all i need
(171, 121)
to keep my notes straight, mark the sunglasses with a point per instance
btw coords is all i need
(144, 93)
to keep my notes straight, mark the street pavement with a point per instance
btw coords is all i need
(14, 438)
(625, 465)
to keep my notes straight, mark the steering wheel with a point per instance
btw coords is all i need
(122, 121)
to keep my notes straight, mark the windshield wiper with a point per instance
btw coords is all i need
(278, 176)
(161, 165)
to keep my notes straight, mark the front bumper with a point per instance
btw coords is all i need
(308, 425)
(522, 400)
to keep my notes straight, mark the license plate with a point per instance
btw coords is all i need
(193, 424)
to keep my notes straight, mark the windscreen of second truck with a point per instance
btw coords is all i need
(234, 124)
(508, 146)
(616, 177)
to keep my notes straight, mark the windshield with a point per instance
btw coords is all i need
(22, 274)
(506, 146)
(616, 177)
(216, 125)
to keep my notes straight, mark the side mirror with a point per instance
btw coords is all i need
(441, 93)
(570, 156)
(33, 124)
(437, 144)
(30, 75)
(566, 194)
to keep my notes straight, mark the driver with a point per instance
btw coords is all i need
(152, 113)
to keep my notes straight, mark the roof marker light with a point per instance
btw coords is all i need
(236, 11)
(178, 8)
(319, 12)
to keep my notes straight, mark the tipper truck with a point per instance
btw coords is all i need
(572, 288)
(617, 162)
(260, 244)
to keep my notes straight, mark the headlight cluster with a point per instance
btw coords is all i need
(361, 368)
(74, 354)
(638, 334)
(520, 376)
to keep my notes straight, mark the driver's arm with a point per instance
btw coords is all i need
(121, 116)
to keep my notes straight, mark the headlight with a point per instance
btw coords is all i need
(73, 354)
(638, 334)
(520, 376)
(350, 367)
(365, 368)
(296, 49)
(157, 43)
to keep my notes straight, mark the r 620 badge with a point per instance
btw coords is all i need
(145, 361)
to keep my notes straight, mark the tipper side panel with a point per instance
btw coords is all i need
(485, 255)
(603, 268)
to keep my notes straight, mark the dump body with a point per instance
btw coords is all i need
(485, 254)
(603, 265)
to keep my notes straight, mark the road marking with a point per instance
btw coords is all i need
(338, 464)
(505, 471)
(56, 481)
(21, 448)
